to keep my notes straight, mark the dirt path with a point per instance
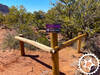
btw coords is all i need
(36, 62)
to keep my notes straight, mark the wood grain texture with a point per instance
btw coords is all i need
(22, 46)
(34, 43)
(55, 56)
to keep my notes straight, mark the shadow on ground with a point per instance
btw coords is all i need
(34, 57)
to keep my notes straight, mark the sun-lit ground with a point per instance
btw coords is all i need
(36, 62)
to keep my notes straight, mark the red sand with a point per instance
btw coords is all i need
(36, 62)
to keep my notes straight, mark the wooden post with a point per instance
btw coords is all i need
(55, 56)
(22, 46)
(79, 43)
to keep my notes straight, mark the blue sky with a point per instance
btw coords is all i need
(30, 5)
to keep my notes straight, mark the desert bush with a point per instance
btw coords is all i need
(84, 17)
(93, 44)
(10, 42)
(28, 32)
(43, 40)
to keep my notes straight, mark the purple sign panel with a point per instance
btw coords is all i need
(53, 27)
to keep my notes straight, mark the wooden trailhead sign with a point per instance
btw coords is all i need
(53, 28)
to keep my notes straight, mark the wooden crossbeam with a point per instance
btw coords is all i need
(36, 44)
(74, 39)
(67, 43)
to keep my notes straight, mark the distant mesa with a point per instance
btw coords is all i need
(4, 9)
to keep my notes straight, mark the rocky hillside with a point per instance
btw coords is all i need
(4, 9)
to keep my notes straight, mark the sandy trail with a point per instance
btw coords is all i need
(36, 62)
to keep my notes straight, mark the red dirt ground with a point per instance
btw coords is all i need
(36, 62)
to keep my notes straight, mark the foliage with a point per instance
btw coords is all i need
(10, 42)
(92, 45)
(73, 15)
(79, 15)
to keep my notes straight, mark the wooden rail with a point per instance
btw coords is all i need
(67, 43)
(34, 43)
(54, 49)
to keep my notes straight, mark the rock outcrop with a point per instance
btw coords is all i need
(4, 9)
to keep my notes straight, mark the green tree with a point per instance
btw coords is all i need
(1, 19)
(38, 19)
(78, 15)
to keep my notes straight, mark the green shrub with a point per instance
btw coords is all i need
(10, 42)
(28, 32)
(43, 40)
